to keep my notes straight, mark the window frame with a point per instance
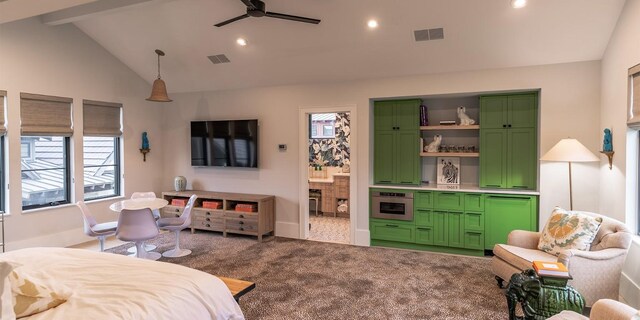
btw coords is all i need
(67, 174)
(2, 176)
(116, 171)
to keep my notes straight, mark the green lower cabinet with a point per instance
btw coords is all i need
(424, 235)
(505, 213)
(474, 240)
(474, 221)
(440, 228)
(393, 231)
(456, 229)
(423, 217)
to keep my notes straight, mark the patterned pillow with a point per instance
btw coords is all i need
(30, 296)
(568, 230)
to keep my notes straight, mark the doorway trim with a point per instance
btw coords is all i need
(303, 166)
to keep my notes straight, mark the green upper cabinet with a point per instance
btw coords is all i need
(508, 141)
(396, 142)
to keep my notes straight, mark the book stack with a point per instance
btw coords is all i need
(246, 207)
(551, 269)
(212, 204)
(447, 122)
(424, 120)
(179, 202)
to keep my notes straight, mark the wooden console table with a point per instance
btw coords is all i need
(226, 219)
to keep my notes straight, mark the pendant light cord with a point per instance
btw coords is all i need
(158, 66)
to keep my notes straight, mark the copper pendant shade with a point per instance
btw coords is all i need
(159, 89)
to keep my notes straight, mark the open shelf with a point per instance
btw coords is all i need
(454, 127)
(450, 154)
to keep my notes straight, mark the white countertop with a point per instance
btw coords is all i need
(459, 188)
(330, 178)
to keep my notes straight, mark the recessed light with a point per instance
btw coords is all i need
(372, 24)
(241, 42)
(517, 4)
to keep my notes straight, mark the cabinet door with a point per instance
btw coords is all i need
(521, 158)
(474, 240)
(392, 231)
(423, 199)
(423, 217)
(440, 225)
(383, 157)
(407, 159)
(456, 229)
(474, 221)
(523, 111)
(383, 116)
(407, 114)
(493, 158)
(424, 235)
(493, 112)
(505, 213)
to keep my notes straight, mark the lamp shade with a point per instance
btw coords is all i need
(569, 150)
(159, 92)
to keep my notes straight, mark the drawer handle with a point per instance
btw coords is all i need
(406, 181)
(521, 187)
(241, 222)
(241, 216)
(208, 213)
(177, 210)
(392, 225)
(208, 225)
(474, 213)
(508, 197)
(425, 229)
(469, 232)
(448, 193)
(389, 181)
(494, 185)
(177, 215)
(241, 229)
(208, 219)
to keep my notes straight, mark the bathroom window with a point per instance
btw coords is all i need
(322, 125)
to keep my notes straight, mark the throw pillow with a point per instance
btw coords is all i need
(568, 230)
(31, 296)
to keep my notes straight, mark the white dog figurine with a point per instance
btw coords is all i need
(464, 118)
(434, 145)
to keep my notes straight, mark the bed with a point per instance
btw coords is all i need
(109, 286)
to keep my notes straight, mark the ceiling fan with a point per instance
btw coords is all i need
(257, 9)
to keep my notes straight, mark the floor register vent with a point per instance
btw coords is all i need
(429, 34)
(219, 58)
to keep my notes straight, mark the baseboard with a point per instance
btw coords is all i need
(288, 230)
(363, 237)
(60, 239)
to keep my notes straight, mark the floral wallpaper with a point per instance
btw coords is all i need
(333, 152)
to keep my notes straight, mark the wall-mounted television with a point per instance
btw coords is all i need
(228, 143)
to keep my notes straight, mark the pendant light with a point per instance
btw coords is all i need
(159, 90)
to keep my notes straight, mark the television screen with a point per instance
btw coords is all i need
(232, 143)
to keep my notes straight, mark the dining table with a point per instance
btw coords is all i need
(137, 204)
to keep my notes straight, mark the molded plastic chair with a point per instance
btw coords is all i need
(176, 225)
(138, 226)
(156, 215)
(94, 229)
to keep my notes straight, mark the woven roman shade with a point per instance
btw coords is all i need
(45, 115)
(634, 97)
(3, 128)
(101, 118)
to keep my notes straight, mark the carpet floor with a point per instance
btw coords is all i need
(298, 279)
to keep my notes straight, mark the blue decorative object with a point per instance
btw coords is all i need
(145, 141)
(607, 145)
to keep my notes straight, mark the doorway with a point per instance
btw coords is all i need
(327, 174)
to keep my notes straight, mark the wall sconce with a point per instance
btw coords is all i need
(607, 146)
(145, 146)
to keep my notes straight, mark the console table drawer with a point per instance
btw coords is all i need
(241, 215)
(171, 212)
(207, 213)
(209, 219)
(241, 225)
(215, 225)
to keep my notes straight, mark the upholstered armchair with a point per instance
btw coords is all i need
(596, 273)
(604, 309)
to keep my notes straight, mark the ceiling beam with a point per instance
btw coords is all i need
(89, 10)
(12, 10)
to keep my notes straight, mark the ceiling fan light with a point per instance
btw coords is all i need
(372, 24)
(241, 41)
(517, 4)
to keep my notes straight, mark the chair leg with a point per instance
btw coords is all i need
(101, 241)
(177, 252)
(177, 248)
(140, 252)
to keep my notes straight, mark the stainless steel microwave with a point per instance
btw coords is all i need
(392, 205)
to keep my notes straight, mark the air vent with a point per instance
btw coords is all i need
(219, 58)
(429, 34)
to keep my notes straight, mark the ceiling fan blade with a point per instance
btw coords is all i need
(290, 17)
(224, 23)
(248, 3)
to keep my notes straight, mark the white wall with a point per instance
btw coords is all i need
(570, 102)
(618, 189)
(63, 61)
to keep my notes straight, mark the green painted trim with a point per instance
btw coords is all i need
(422, 247)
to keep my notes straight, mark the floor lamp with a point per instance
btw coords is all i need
(570, 150)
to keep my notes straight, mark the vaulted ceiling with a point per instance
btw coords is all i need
(483, 34)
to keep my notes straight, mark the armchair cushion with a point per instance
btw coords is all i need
(521, 258)
(568, 230)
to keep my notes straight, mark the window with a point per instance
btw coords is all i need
(45, 176)
(101, 149)
(322, 125)
(45, 123)
(101, 167)
(634, 117)
(3, 131)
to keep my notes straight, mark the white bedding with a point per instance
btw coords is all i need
(110, 286)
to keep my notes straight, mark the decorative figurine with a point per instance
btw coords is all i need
(464, 118)
(607, 145)
(434, 145)
(145, 141)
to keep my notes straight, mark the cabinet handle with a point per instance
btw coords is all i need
(208, 219)
(520, 187)
(177, 210)
(241, 216)
(474, 213)
(241, 222)
(493, 185)
(389, 181)
(208, 213)
(504, 125)
(241, 229)
(509, 126)
(208, 225)
(509, 197)
(177, 215)
(426, 229)
(448, 193)
(471, 232)
(391, 225)
(406, 182)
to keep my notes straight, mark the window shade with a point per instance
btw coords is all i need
(3, 128)
(45, 115)
(101, 118)
(634, 97)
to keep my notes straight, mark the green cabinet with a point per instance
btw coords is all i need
(392, 230)
(396, 158)
(505, 213)
(440, 228)
(508, 141)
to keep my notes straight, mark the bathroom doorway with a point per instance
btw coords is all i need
(327, 202)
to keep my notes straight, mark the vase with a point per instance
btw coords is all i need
(180, 183)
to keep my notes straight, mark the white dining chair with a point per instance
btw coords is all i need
(94, 229)
(138, 226)
(176, 225)
(156, 215)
